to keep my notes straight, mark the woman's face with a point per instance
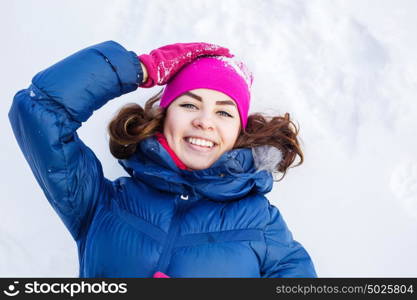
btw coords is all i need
(200, 126)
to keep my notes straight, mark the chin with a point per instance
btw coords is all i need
(195, 166)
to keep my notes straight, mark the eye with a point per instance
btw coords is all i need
(188, 105)
(225, 114)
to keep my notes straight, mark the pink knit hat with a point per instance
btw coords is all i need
(218, 73)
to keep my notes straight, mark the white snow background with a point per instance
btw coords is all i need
(346, 71)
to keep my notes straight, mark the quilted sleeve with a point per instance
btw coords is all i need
(46, 116)
(284, 256)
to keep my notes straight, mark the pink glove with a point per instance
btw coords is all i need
(160, 275)
(162, 63)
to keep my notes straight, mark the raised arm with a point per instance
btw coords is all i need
(45, 117)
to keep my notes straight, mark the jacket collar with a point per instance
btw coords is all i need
(231, 177)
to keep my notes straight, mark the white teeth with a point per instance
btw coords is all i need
(200, 142)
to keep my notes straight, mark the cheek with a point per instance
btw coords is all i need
(173, 125)
(169, 128)
(231, 135)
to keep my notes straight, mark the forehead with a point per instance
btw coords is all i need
(208, 95)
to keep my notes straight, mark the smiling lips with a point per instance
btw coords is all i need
(200, 142)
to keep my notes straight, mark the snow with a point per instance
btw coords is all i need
(346, 71)
(403, 185)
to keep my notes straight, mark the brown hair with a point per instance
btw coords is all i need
(132, 124)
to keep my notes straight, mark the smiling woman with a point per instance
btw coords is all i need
(200, 131)
(209, 108)
(194, 204)
(132, 124)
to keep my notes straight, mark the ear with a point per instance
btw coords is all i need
(266, 157)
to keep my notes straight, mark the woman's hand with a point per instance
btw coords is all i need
(162, 63)
(145, 72)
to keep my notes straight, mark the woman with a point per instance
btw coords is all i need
(194, 204)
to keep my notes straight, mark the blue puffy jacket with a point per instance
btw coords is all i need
(207, 223)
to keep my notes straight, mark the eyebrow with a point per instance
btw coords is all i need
(222, 102)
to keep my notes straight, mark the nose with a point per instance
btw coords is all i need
(203, 121)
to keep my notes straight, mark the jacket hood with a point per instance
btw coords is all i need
(232, 176)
